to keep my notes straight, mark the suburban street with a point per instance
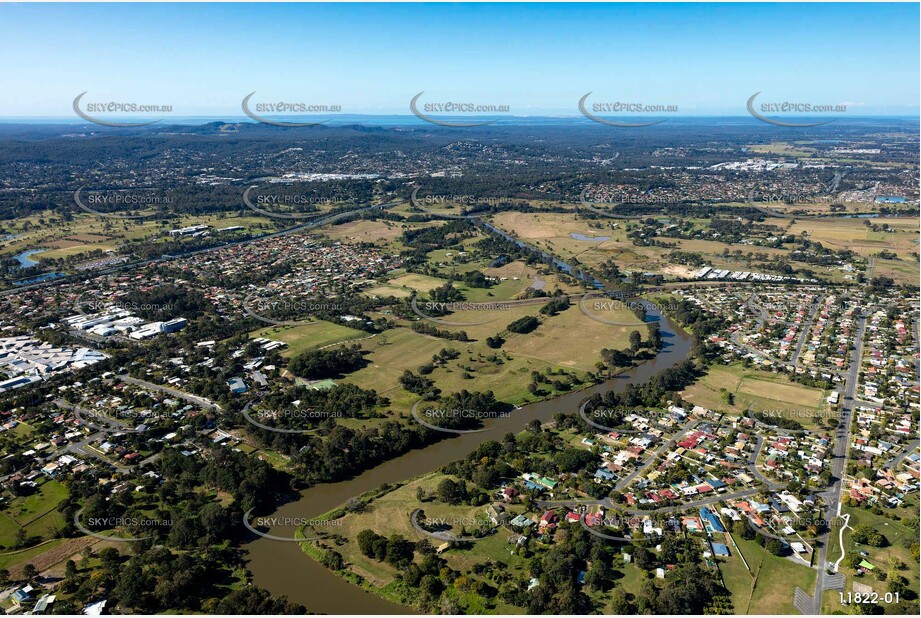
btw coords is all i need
(652, 457)
(832, 495)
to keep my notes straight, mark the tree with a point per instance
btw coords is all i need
(333, 560)
(29, 572)
(70, 570)
(896, 584)
(431, 585)
(399, 551)
(21, 538)
(896, 563)
(366, 539)
(744, 530)
(133, 586)
(636, 340)
(620, 605)
(252, 600)
(451, 492)
(573, 459)
(867, 535)
(523, 325)
(109, 558)
(852, 559)
(774, 546)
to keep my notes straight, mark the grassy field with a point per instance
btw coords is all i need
(308, 336)
(766, 390)
(382, 291)
(417, 282)
(552, 232)
(853, 234)
(783, 148)
(36, 514)
(568, 341)
(10, 560)
(377, 232)
(390, 514)
(573, 340)
(518, 277)
(775, 580)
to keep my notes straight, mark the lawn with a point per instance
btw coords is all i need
(11, 559)
(417, 282)
(36, 513)
(776, 579)
(896, 534)
(552, 233)
(572, 340)
(568, 341)
(310, 336)
(518, 277)
(389, 514)
(854, 235)
(377, 232)
(383, 291)
(768, 391)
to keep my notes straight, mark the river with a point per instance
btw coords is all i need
(283, 569)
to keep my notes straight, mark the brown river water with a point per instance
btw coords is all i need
(283, 569)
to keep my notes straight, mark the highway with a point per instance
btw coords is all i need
(167, 258)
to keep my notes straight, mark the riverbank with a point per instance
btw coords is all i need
(282, 569)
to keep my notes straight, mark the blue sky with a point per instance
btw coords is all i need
(536, 58)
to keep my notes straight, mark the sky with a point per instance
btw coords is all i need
(537, 59)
